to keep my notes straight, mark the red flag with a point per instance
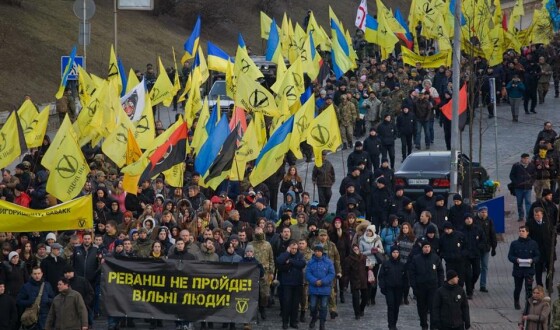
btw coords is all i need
(238, 117)
(446, 109)
(169, 154)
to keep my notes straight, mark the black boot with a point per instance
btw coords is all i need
(313, 321)
(302, 316)
(344, 146)
(322, 325)
(342, 297)
(262, 311)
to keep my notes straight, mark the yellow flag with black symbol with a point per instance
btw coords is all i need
(89, 121)
(145, 126)
(133, 153)
(35, 130)
(244, 65)
(324, 134)
(76, 214)
(27, 112)
(200, 133)
(12, 140)
(68, 168)
(115, 145)
(114, 73)
(293, 84)
(253, 97)
(302, 120)
(110, 111)
(86, 86)
(281, 70)
(231, 80)
(162, 92)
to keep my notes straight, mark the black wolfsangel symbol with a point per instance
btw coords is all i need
(320, 134)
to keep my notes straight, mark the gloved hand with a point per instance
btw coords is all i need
(493, 253)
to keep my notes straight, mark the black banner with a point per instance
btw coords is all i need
(180, 290)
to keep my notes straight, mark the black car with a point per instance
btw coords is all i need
(432, 168)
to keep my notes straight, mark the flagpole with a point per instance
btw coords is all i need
(455, 100)
(306, 173)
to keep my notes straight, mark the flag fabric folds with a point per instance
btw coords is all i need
(221, 166)
(217, 58)
(212, 146)
(65, 74)
(324, 134)
(162, 92)
(66, 163)
(172, 152)
(133, 153)
(35, 129)
(273, 48)
(191, 44)
(12, 140)
(272, 155)
(361, 16)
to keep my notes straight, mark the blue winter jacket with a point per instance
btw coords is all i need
(291, 273)
(30, 291)
(320, 269)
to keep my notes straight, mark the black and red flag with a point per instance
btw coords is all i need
(169, 154)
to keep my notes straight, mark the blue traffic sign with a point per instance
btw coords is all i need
(78, 60)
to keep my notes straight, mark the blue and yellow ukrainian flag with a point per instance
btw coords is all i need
(273, 49)
(191, 44)
(217, 58)
(272, 155)
(65, 74)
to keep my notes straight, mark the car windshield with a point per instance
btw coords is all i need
(426, 164)
(218, 89)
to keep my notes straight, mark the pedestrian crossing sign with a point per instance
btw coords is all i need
(78, 61)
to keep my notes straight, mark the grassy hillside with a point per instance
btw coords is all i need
(33, 37)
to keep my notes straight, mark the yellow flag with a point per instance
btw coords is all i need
(281, 70)
(293, 84)
(27, 112)
(541, 30)
(265, 25)
(286, 33)
(200, 133)
(35, 130)
(324, 134)
(194, 102)
(115, 145)
(175, 175)
(260, 128)
(133, 153)
(89, 121)
(386, 37)
(114, 73)
(66, 163)
(319, 35)
(12, 141)
(248, 150)
(176, 81)
(163, 88)
(86, 86)
(202, 66)
(244, 65)
(132, 80)
(516, 13)
(310, 58)
(110, 111)
(302, 119)
(231, 80)
(253, 97)
(145, 126)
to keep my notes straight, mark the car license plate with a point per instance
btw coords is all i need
(418, 181)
